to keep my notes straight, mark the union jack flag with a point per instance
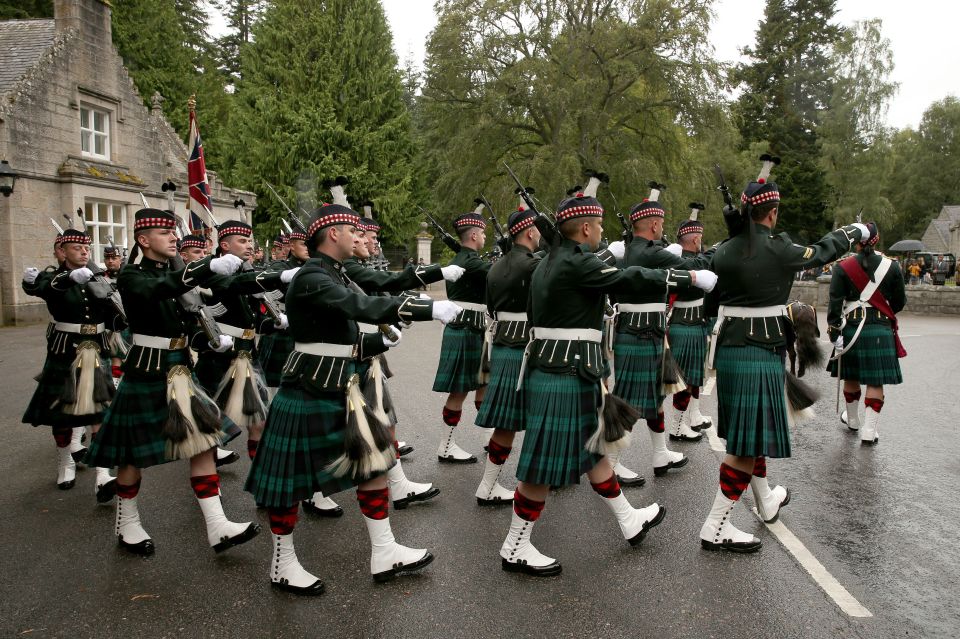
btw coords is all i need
(199, 192)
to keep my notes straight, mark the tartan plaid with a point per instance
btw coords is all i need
(273, 349)
(41, 411)
(752, 404)
(503, 405)
(873, 359)
(303, 435)
(561, 417)
(132, 430)
(459, 368)
(636, 371)
(689, 346)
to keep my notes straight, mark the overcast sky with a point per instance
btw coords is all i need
(923, 34)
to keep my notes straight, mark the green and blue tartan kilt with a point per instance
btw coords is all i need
(688, 343)
(273, 349)
(459, 367)
(561, 417)
(636, 369)
(873, 358)
(304, 434)
(42, 411)
(503, 405)
(132, 430)
(752, 403)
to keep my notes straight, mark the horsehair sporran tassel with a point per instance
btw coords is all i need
(185, 438)
(800, 399)
(373, 391)
(614, 424)
(367, 443)
(238, 396)
(671, 375)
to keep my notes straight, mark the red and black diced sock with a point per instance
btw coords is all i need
(205, 486)
(451, 417)
(128, 491)
(874, 403)
(62, 436)
(851, 397)
(733, 482)
(760, 467)
(283, 520)
(609, 488)
(396, 448)
(695, 392)
(374, 504)
(527, 509)
(497, 453)
(252, 447)
(116, 371)
(681, 400)
(656, 425)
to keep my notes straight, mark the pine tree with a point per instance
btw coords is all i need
(787, 87)
(25, 9)
(321, 96)
(241, 16)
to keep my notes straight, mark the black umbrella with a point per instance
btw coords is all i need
(907, 245)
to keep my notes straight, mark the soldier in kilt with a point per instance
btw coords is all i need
(866, 292)
(160, 413)
(641, 324)
(461, 352)
(565, 435)
(75, 385)
(320, 434)
(688, 340)
(504, 407)
(374, 372)
(756, 270)
(233, 377)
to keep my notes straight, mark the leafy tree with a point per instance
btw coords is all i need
(321, 96)
(25, 9)
(241, 16)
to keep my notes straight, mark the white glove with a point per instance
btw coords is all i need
(386, 340)
(423, 296)
(618, 249)
(445, 311)
(705, 280)
(30, 275)
(838, 345)
(288, 274)
(282, 322)
(453, 272)
(81, 275)
(864, 231)
(226, 343)
(225, 265)
(674, 249)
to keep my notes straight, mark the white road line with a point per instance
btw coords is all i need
(708, 387)
(840, 595)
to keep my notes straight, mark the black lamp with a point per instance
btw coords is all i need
(7, 178)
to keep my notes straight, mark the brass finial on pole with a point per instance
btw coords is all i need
(192, 103)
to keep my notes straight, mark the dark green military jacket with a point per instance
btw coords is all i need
(472, 287)
(508, 290)
(842, 289)
(373, 281)
(689, 316)
(763, 276)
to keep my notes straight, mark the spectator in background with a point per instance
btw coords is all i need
(923, 268)
(939, 271)
(914, 271)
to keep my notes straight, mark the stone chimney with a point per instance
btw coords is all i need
(91, 18)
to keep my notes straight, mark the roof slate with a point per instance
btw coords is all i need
(22, 45)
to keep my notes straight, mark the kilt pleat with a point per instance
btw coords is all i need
(44, 408)
(752, 405)
(561, 417)
(273, 349)
(303, 435)
(689, 346)
(459, 368)
(872, 360)
(503, 405)
(636, 370)
(132, 430)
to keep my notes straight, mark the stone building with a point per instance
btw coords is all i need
(76, 132)
(943, 233)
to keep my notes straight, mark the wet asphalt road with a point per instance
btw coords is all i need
(883, 521)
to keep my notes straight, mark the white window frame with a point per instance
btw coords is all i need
(105, 218)
(93, 134)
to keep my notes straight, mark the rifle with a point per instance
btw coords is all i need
(504, 241)
(731, 214)
(296, 220)
(448, 239)
(547, 225)
(723, 188)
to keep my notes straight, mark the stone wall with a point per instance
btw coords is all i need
(922, 300)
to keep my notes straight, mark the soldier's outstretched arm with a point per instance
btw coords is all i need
(831, 247)
(328, 296)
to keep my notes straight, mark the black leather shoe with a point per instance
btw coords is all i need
(313, 590)
(66, 485)
(249, 533)
(400, 569)
(308, 507)
(402, 503)
(550, 570)
(405, 450)
(660, 471)
(701, 426)
(79, 456)
(637, 481)
(452, 460)
(107, 491)
(741, 547)
(636, 539)
(686, 438)
(145, 548)
(229, 459)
